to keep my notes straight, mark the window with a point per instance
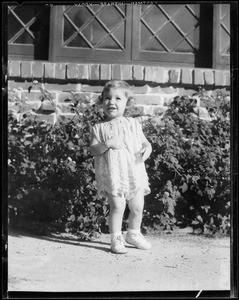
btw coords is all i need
(167, 32)
(28, 31)
(91, 32)
(195, 35)
(221, 35)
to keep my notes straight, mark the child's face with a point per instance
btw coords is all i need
(114, 103)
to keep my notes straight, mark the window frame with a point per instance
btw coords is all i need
(219, 61)
(57, 53)
(153, 56)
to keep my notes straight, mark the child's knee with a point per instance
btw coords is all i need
(117, 204)
(136, 209)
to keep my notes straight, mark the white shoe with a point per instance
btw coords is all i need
(117, 245)
(138, 240)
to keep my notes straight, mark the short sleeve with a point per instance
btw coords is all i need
(95, 133)
(140, 132)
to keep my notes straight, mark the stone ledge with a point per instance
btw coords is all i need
(96, 72)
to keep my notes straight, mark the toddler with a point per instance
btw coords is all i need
(120, 148)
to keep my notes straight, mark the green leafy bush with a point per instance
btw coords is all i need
(52, 182)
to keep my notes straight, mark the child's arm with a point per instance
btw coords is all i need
(97, 148)
(146, 146)
(146, 150)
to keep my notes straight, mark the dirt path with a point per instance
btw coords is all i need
(62, 263)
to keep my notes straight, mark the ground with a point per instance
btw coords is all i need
(62, 263)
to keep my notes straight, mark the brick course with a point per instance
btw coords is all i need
(138, 72)
(82, 71)
(71, 71)
(94, 72)
(49, 70)
(187, 76)
(209, 77)
(60, 71)
(116, 72)
(159, 74)
(14, 68)
(26, 69)
(127, 72)
(174, 76)
(154, 87)
(198, 76)
(105, 72)
(37, 69)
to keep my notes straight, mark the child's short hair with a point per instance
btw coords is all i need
(117, 84)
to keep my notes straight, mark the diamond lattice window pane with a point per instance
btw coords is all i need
(155, 18)
(226, 22)
(25, 38)
(67, 7)
(13, 26)
(225, 29)
(143, 8)
(110, 16)
(95, 7)
(25, 13)
(19, 20)
(94, 32)
(195, 8)
(225, 10)
(68, 30)
(183, 47)
(119, 34)
(174, 25)
(171, 9)
(109, 43)
(122, 7)
(145, 35)
(170, 36)
(194, 38)
(78, 16)
(154, 45)
(96, 26)
(225, 41)
(185, 21)
(78, 41)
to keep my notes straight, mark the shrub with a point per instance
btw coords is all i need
(189, 168)
(51, 176)
(52, 182)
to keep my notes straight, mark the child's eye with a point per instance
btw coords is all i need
(118, 98)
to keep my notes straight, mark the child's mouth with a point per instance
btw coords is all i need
(111, 108)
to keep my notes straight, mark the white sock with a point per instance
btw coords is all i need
(115, 234)
(133, 231)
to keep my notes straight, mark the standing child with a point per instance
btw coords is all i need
(120, 148)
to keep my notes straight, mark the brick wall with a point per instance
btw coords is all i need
(154, 86)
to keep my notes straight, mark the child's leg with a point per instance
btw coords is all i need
(117, 208)
(136, 206)
(134, 236)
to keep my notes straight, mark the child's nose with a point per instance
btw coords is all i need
(112, 100)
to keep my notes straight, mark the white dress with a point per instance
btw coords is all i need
(121, 172)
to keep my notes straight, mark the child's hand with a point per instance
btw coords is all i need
(146, 151)
(116, 142)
